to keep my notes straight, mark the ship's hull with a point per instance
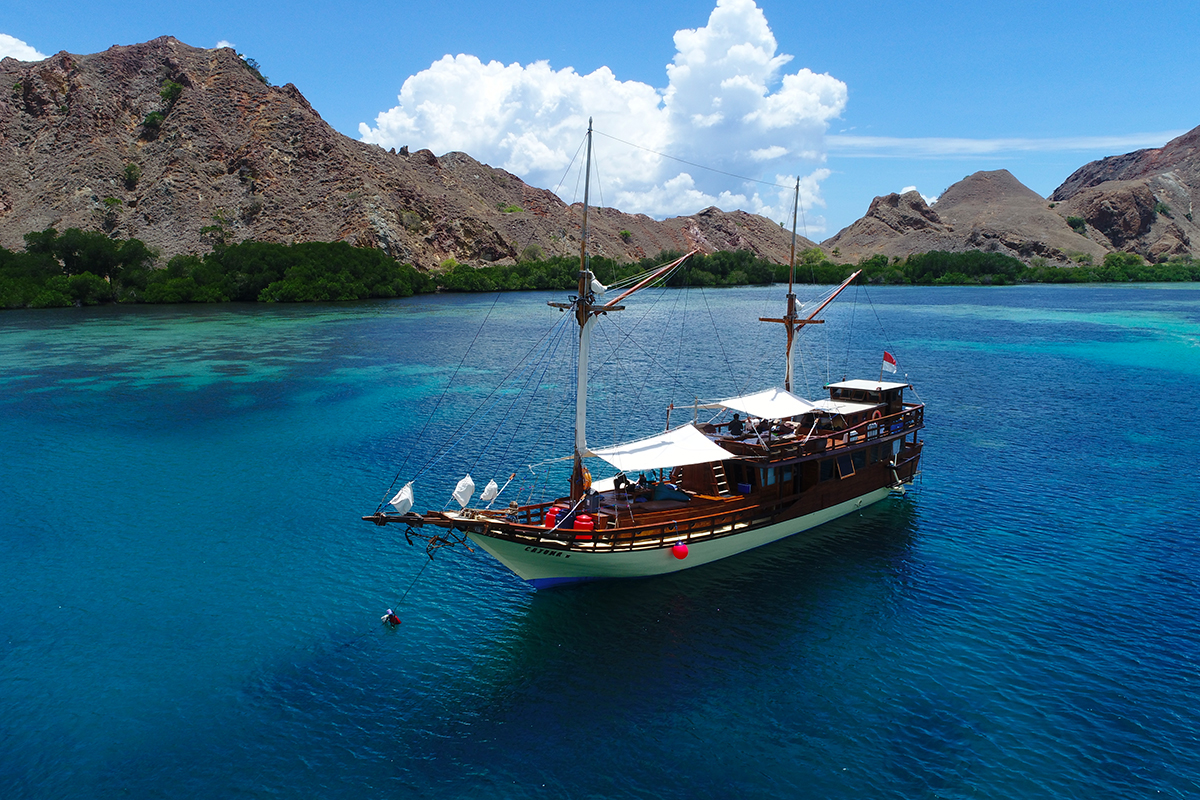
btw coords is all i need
(543, 567)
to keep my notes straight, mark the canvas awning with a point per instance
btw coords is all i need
(843, 406)
(675, 448)
(767, 404)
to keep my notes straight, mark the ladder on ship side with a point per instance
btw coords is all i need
(720, 480)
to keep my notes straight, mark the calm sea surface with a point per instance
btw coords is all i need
(189, 603)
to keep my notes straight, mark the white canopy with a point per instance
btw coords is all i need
(768, 404)
(843, 406)
(870, 386)
(675, 448)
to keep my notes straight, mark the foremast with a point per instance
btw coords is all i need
(580, 480)
(586, 309)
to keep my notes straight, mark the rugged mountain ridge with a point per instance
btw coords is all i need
(105, 141)
(231, 157)
(985, 211)
(1140, 202)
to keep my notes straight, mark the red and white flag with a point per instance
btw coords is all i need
(889, 363)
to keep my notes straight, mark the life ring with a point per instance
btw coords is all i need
(587, 480)
(876, 414)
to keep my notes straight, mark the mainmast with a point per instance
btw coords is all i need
(791, 296)
(791, 320)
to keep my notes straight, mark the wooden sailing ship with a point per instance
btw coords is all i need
(714, 489)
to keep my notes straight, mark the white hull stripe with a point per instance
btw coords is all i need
(544, 567)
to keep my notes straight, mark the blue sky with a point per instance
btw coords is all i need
(875, 97)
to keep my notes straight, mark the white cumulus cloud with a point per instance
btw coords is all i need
(225, 43)
(728, 104)
(14, 47)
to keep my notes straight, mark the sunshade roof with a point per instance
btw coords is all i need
(675, 448)
(768, 404)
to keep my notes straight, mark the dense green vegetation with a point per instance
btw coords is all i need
(86, 268)
(561, 272)
(971, 268)
(979, 268)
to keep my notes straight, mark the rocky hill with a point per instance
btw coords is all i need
(107, 141)
(1143, 201)
(985, 211)
(995, 211)
(895, 225)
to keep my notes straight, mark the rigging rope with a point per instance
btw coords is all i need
(694, 164)
(850, 330)
(546, 360)
(442, 453)
(421, 572)
(445, 391)
(717, 334)
(480, 414)
(683, 320)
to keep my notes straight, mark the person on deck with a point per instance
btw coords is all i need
(735, 426)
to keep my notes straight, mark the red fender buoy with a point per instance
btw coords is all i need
(680, 551)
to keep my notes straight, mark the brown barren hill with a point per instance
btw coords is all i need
(896, 225)
(990, 211)
(995, 211)
(105, 142)
(1142, 202)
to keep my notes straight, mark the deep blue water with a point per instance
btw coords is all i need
(189, 604)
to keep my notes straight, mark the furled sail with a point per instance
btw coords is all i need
(403, 501)
(464, 490)
(675, 448)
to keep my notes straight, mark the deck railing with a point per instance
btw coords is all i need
(796, 445)
(723, 522)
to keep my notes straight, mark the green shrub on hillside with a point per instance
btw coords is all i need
(170, 92)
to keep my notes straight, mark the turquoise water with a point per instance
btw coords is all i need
(190, 604)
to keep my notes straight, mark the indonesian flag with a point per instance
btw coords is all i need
(889, 363)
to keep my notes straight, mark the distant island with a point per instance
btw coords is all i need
(209, 184)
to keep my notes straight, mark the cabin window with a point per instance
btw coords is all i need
(787, 475)
(827, 469)
(859, 459)
(768, 476)
(845, 465)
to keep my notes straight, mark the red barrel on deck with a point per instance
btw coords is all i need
(584, 522)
